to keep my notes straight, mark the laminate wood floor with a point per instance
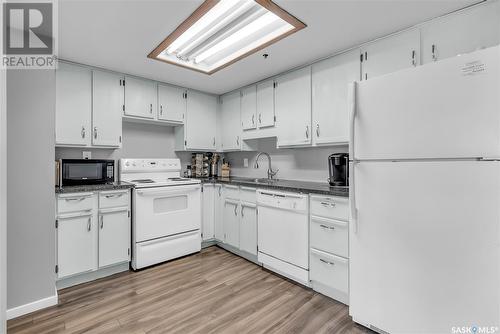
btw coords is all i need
(213, 291)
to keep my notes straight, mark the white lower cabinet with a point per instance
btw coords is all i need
(114, 236)
(231, 223)
(208, 212)
(329, 248)
(93, 231)
(218, 213)
(248, 227)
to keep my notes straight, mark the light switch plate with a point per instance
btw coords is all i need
(87, 155)
(245, 162)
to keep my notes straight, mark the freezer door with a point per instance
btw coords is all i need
(424, 247)
(447, 109)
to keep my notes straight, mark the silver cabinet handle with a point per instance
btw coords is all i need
(150, 108)
(95, 132)
(434, 55)
(102, 221)
(253, 119)
(114, 195)
(414, 58)
(220, 188)
(242, 215)
(235, 212)
(214, 141)
(75, 199)
(237, 140)
(260, 118)
(89, 224)
(307, 131)
(161, 109)
(327, 262)
(327, 227)
(317, 130)
(83, 132)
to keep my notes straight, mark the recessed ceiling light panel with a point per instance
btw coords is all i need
(221, 32)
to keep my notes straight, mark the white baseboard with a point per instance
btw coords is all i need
(32, 307)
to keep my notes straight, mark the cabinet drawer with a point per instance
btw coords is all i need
(330, 207)
(329, 270)
(231, 191)
(111, 199)
(75, 202)
(329, 235)
(248, 194)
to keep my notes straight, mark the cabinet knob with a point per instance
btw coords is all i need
(317, 130)
(260, 118)
(83, 132)
(95, 132)
(307, 131)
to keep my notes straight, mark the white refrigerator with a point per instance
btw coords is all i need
(425, 198)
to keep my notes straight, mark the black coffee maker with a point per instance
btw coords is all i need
(338, 165)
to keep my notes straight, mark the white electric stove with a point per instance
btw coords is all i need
(166, 210)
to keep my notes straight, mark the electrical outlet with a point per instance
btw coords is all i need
(245, 162)
(87, 155)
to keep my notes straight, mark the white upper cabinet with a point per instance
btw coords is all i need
(230, 116)
(265, 104)
(171, 103)
(73, 105)
(463, 32)
(330, 114)
(293, 108)
(249, 108)
(140, 98)
(390, 54)
(199, 130)
(107, 104)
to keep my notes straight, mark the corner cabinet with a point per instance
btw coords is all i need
(199, 130)
(73, 105)
(293, 108)
(330, 107)
(140, 98)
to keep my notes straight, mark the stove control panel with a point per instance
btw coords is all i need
(150, 165)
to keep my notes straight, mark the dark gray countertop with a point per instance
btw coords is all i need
(284, 185)
(94, 187)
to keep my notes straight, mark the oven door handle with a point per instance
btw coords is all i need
(167, 190)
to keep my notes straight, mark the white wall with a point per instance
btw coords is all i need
(308, 164)
(30, 194)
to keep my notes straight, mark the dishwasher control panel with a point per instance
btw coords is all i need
(282, 200)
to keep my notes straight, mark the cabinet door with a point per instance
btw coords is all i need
(391, 54)
(330, 108)
(76, 244)
(73, 105)
(249, 108)
(107, 104)
(171, 103)
(140, 97)
(231, 223)
(218, 213)
(208, 224)
(293, 108)
(265, 104)
(469, 30)
(230, 113)
(248, 228)
(200, 121)
(114, 236)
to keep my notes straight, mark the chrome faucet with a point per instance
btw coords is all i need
(270, 172)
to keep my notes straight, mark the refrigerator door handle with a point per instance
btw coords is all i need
(352, 194)
(352, 116)
(352, 198)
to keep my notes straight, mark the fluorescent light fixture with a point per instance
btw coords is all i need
(221, 32)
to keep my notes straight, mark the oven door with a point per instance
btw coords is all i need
(164, 211)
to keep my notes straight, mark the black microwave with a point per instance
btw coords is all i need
(86, 171)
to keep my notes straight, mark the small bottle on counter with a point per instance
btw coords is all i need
(189, 172)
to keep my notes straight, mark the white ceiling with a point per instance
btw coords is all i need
(118, 35)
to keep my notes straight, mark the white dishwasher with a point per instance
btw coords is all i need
(283, 233)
